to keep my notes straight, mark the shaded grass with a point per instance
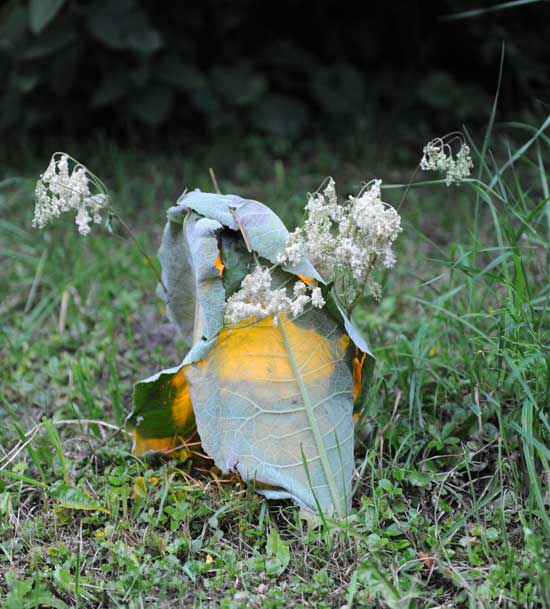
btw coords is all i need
(452, 470)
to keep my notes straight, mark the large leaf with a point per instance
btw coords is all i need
(123, 25)
(266, 233)
(237, 261)
(276, 403)
(188, 254)
(273, 402)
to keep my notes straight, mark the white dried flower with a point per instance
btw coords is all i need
(346, 241)
(257, 299)
(60, 189)
(317, 299)
(438, 156)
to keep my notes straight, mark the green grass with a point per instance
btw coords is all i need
(453, 449)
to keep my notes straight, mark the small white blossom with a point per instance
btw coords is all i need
(257, 299)
(299, 289)
(438, 156)
(317, 299)
(346, 241)
(60, 190)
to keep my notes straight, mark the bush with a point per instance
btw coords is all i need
(125, 65)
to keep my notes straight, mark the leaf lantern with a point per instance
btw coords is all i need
(273, 402)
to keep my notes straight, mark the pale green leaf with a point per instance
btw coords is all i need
(265, 231)
(275, 403)
(279, 553)
(188, 254)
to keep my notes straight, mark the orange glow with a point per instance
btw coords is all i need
(219, 264)
(357, 372)
(182, 407)
(144, 445)
(160, 445)
(255, 351)
(306, 280)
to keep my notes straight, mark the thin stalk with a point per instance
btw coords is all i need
(311, 418)
(245, 236)
(36, 281)
(408, 187)
(214, 181)
(140, 249)
(362, 290)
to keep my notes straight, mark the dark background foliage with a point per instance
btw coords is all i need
(144, 69)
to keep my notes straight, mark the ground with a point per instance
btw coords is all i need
(452, 451)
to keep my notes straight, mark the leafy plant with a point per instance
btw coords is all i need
(274, 402)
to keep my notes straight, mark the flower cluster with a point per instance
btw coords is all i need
(61, 189)
(438, 156)
(256, 298)
(347, 241)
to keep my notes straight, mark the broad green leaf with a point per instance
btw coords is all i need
(417, 478)
(41, 12)
(152, 105)
(48, 43)
(73, 498)
(68, 581)
(24, 594)
(122, 25)
(265, 231)
(280, 115)
(163, 413)
(275, 403)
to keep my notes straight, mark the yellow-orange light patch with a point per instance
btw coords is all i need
(256, 351)
(160, 445)
(306, 280)
(357, 372)
(182, 407)
(251, 359)
(144, 445)
(219, 264)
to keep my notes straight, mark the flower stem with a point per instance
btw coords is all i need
(408, 187)
(214, 181)
(140, 249)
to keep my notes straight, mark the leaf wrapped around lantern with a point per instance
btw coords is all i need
(273, 401)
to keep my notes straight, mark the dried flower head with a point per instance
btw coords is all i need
(67, 185)
(257, 299)
(438, 156)
(348, 241)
